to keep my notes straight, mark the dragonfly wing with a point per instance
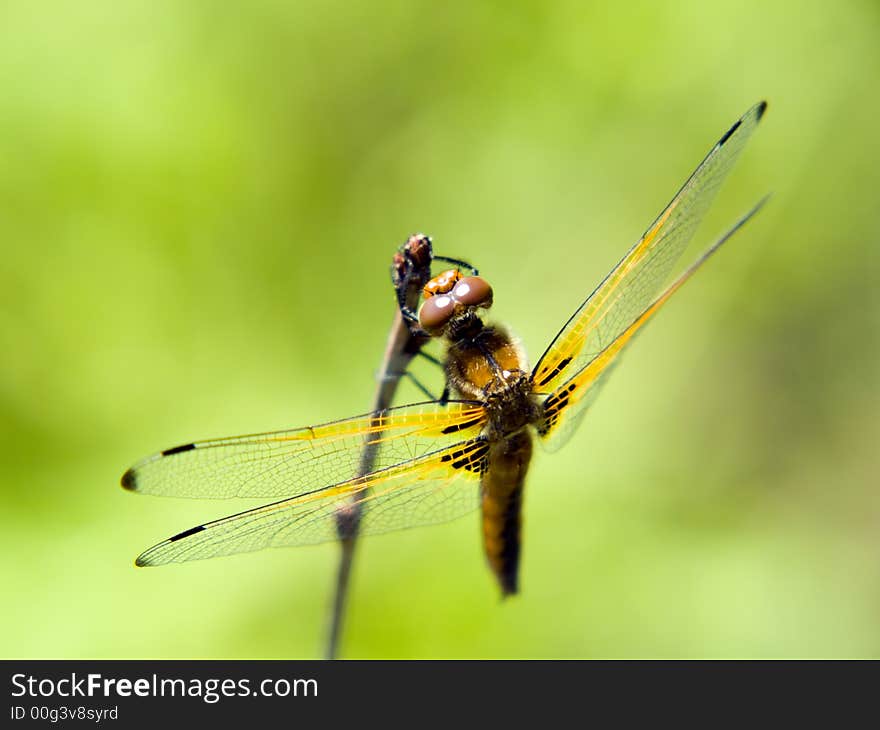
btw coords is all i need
(632, 285)
(427, 490)
(564, 408)
(294, 462)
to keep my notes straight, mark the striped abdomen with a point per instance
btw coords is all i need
(502, 494)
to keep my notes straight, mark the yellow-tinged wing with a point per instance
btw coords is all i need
(564, 408)
(305, 460)
(632, 285)
(428, 489)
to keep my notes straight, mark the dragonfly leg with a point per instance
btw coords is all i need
(415, 381)
(412, 321)
(430, 358)
(459, 263)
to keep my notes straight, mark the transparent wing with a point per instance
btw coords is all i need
(635, 281)
(427, 490)
(564, 408)
(290, 463)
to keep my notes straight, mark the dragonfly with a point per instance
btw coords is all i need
(469, 449)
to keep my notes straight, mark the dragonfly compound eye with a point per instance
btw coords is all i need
(436, 313)
(473, 291)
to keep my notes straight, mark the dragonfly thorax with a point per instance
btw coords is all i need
(485, 363)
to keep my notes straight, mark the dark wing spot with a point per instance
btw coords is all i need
(178, 449)
(729, 132)
(475, 464)
(129, 480)
(478, 460)
(554, 404)
(461, 426)
(472, 456)
(762, 107)
(548, 422)
(553, 373)
(186, 533)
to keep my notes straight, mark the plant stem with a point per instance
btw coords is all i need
(401, 348)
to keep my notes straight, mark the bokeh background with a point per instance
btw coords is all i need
(198, 206)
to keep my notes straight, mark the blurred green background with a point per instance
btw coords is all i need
(199, 206)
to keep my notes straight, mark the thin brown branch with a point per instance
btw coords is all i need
(402, 346)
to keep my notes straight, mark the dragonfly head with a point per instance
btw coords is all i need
(450, 298)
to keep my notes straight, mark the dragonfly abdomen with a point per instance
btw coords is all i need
(501, 498)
